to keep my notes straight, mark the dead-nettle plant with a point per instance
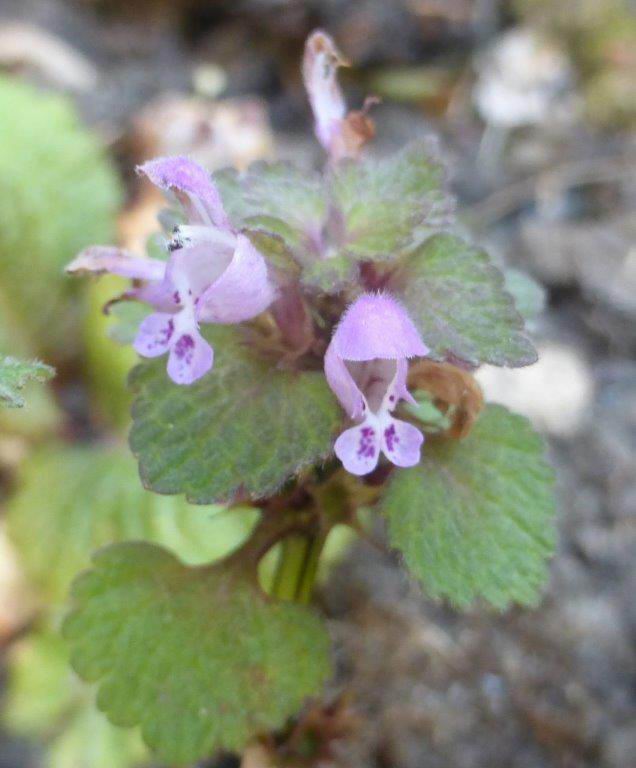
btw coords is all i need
(321, 330)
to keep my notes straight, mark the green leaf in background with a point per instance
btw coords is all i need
(124, 319)
(46, 702)
(197, 656)
(457, 300)
(278, 198)
(244, 427)
(475, 517)
(410, 83)
(108, 363)
(72, 500)
(58, 194)
(387, 204)
(529, 295)
(14, 374)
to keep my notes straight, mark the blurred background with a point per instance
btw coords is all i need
(534, 104)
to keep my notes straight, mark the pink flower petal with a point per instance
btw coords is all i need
(155, 334)
(191, 235)
(191, 357)
(358, 449)
(401, 442)
(377, 326)
(343, 384)
(243, 291)
(320, 63)
(99, 259)
(193, 186)
(160, 295)
(194, 269)
(401, 391)
(396, 389)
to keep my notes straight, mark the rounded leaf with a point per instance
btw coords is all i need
(197, 656)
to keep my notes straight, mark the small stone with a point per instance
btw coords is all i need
(555, 393)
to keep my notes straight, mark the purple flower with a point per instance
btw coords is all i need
(366, 367)
(342, 134)
(320, 65)
(213, 275)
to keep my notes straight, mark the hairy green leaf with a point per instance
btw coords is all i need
(72, 500)
(42, 416)
(278, 198)
(14, 375)
(197, 656)
(46, 702)
(243, 427)
(475, 517)
(457, 299)
(330, 275)
(364, 210)
(386, 205)
(275, 251)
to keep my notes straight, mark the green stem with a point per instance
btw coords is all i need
(290, 565)
(297, 567)
(308, 577)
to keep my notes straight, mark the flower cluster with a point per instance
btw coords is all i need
(213, 273)
(358, 315)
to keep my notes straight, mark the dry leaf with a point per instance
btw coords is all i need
(454, 391)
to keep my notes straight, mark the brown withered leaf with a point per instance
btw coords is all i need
(358, 129)
(455, 392)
